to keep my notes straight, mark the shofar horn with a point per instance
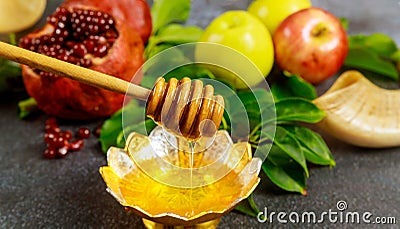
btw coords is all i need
(361, 113)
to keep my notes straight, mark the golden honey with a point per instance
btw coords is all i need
(187, 188)
(157, 198)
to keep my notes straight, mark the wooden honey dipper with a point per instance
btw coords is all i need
(181, 106)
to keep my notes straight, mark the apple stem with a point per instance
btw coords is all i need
(318, 30)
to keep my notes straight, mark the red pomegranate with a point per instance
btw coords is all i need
(135, 13)
(88, 37)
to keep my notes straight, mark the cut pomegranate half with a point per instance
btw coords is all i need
(88, 37)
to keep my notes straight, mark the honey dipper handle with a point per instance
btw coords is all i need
(81, 74)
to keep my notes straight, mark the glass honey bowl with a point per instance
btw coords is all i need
(172, 186)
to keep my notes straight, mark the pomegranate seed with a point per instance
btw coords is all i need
(95, 19)
(52, 19)
(85, 62)
(50, 153)
(102, 40)
(94, 38)
(100, 51)
(60, 39)
(48, 138)
(52, 129)
(75, 145)
(79, 50)
(97, 131)
(78, 32)
(59, 142)
(72, 60)
(44, 39)
(89, 44)
(83, 132)
(44, 74)
(61, 25)
(58, 31)
(62, 152)
(63, 57)
(67, 135)
(63, 19)
(62, 51)
(43, 49)
(65, 33)
(24, 42)
(110, 34)
(36, 41)
(61, 10)
(70, 44)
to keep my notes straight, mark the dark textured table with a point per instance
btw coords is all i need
(66, 193)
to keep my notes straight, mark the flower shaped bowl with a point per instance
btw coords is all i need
(157, 181)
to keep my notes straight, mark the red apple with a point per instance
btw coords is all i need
(311, 43)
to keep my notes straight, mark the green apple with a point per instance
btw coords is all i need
(273, 12)
(18, 15)
(244, 42)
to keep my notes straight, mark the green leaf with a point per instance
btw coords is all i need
(395, 56)
(368, 60)
(289, 145)
(284, 172)
(293, 86)
(27, 107)
(256, 96)
(248, 207)
(10, 76)
(12, 39)
(252, 107)
(149, 125)
(110, 131)
(344, 22)
(258, 104)
(164, 12)
(262, 149)
(298, 109)
(313, 145)
(153, 49)
(381, 44)
(179, 34)
(113, 126)
(160, 65)
(193, 71)
(171, 35)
